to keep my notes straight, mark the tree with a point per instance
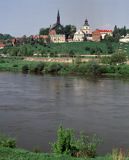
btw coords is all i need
(124, 31)
(118, 58)
(116, 34)
(110, 48)
(44, 31)
(69, 31)
(108, 38)
(5, 36)
(115, 31)
(59, 29)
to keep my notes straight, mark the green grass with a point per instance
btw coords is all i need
(79, 48)
(85, 69)
(55, 48)
(19, 154)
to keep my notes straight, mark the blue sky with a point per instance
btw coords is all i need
(26, 17)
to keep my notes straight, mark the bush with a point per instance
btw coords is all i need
(110, 48)
(82, 68)
(53, 67)
(25, 68)
(93, 68)
(118, 58)
(96, 50)
(7, 142)
(87, 145)
(118, 154)
(67, 143)
(105, 60)
(71, 53)
(87, 48)
(38, 68)
(64, 142)
(124, 70)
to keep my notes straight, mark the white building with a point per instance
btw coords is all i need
(85, 33)
(57, 38)
(125, 39)
(78, 36)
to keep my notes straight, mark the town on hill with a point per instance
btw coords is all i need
(57, 33)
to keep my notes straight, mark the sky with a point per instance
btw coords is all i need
(26, 17)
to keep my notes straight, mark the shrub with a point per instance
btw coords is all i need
(110, 48)
(118, 58)
(71, 53)
(67, 143)
(87, 48)
(124, 70)
(25, 68)
(93, 68)
(63, 145)
(38, 68)
(118, 154)
(7, 142)
(53, 67)
(82, 68)
(105, 60)
(87, 145)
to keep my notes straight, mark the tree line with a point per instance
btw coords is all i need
(68, 30)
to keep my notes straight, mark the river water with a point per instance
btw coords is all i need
(32, 107)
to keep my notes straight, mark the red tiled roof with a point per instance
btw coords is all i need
(100, 30)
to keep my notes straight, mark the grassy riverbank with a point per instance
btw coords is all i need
(20, 154)
(91, 68)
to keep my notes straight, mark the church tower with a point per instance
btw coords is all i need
(86, 23)
(58, 17)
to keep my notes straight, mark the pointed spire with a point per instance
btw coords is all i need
(86, 23)
(58, 17)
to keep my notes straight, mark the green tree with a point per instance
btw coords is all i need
(110, 48)
(124, 31)
(44, 31)
(59, 29)
(116, 34)
(5, 36)
(69, 31)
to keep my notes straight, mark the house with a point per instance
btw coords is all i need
(98, 34)
(57, 38)
(78, 36)
(125, 39)
(105, 32)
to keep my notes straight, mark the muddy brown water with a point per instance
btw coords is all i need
(32, 107)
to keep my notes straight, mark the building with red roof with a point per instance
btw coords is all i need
(2, 45)
(99, 34)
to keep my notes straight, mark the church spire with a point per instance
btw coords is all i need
(58, 17)
(86, 23)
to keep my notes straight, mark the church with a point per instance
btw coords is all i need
(83, 34)
(56, 31)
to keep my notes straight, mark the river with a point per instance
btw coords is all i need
(32, 107)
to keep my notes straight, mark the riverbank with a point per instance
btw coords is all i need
(91, 68)
(20, 154)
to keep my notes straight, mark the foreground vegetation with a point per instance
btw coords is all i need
(113, 65)
(66, 147)
(20, 154)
